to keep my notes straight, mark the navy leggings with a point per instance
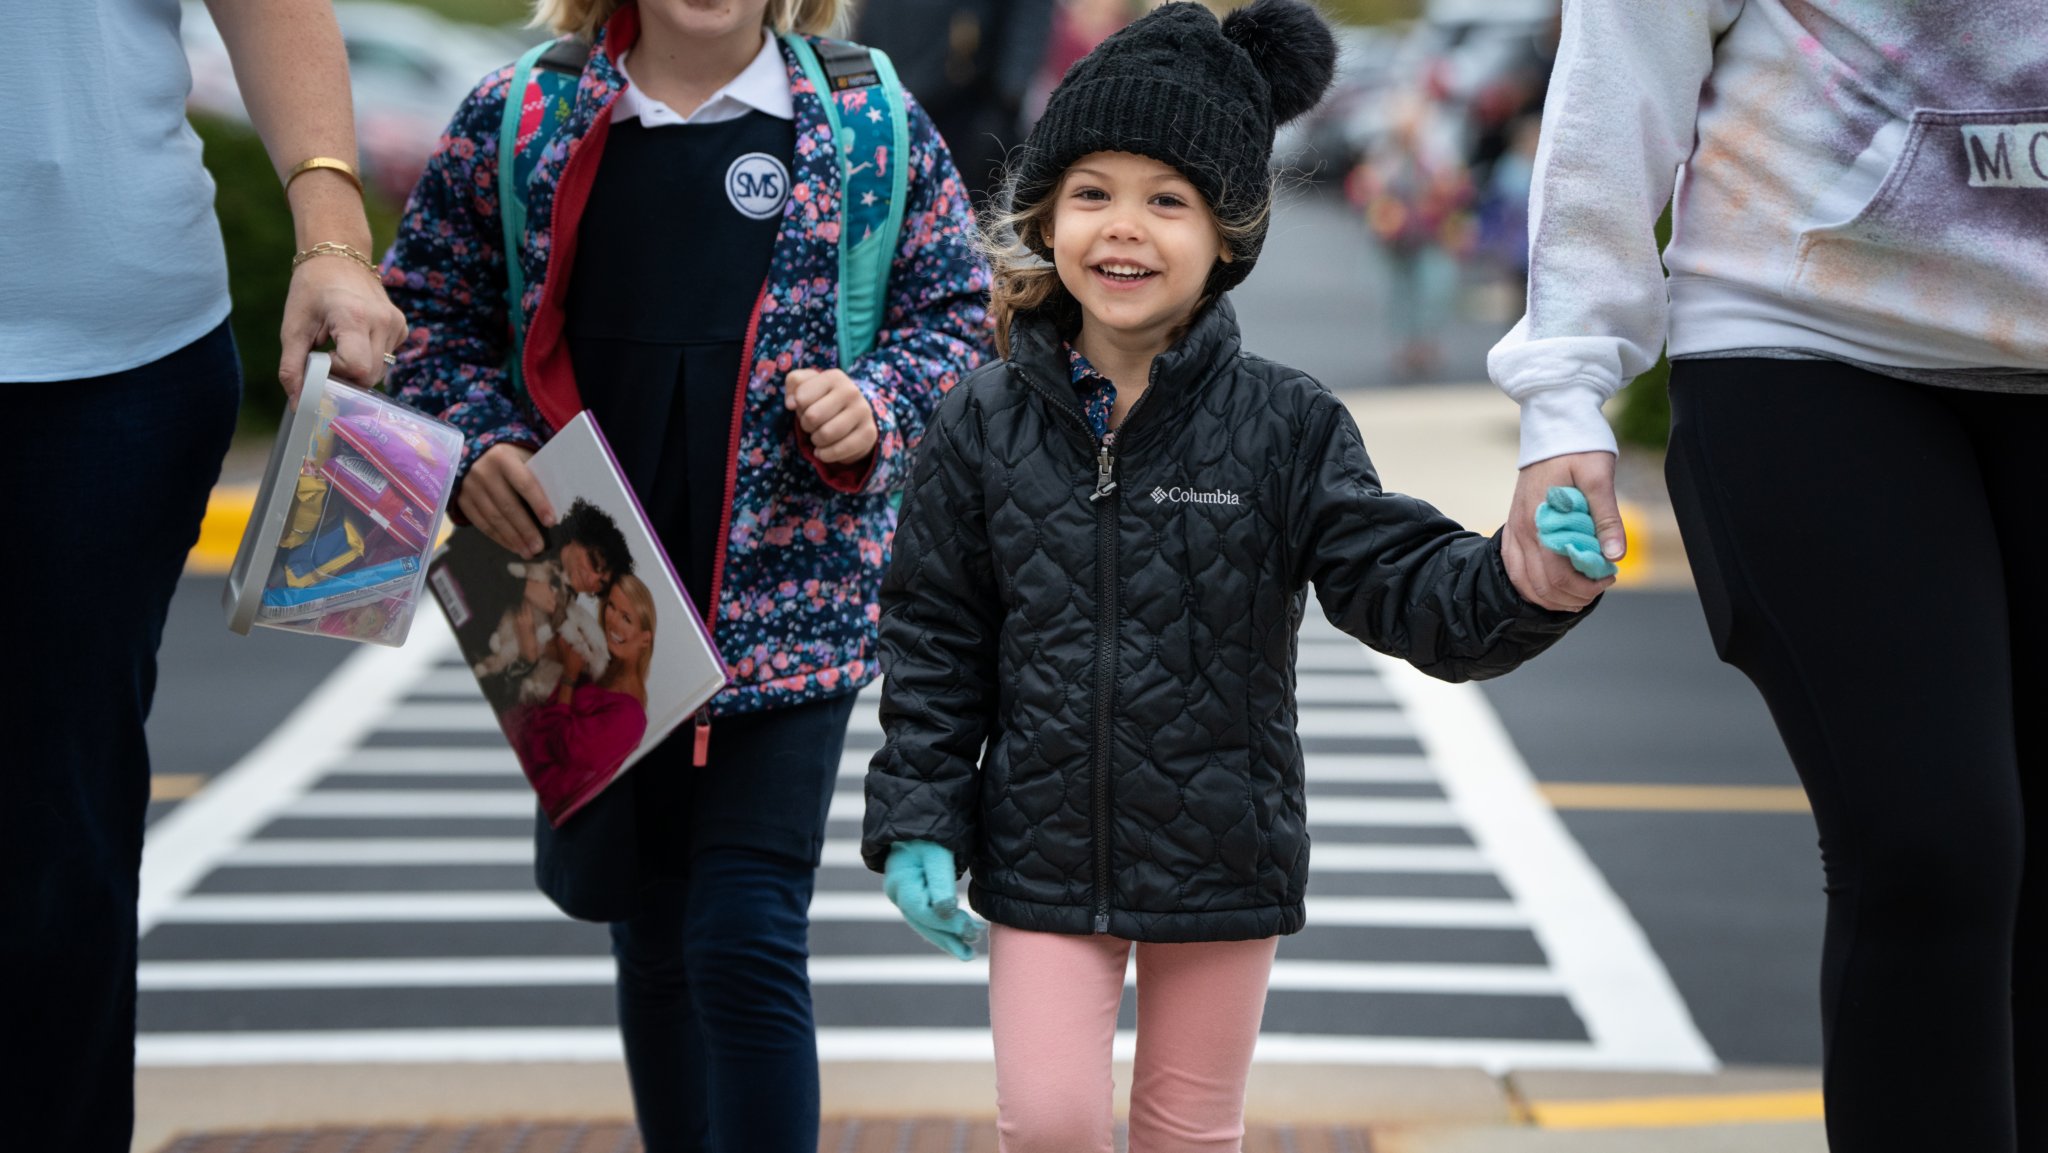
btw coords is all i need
(1872, 554)
(714, 998)
(109, 477)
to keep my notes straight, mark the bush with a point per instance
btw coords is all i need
(256, 226)
(1643, 416)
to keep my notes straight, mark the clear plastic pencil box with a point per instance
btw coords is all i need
(349, 510)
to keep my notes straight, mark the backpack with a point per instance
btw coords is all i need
(871, 195)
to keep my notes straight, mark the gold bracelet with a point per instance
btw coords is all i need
(341, 166)
(328, 248)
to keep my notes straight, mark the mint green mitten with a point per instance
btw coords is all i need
(918, 878)
(1564, 525)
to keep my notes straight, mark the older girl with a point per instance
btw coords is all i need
(694, 314)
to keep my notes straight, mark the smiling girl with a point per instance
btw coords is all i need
(681, 254)
(1089, 624)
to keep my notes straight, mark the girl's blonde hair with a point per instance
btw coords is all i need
(583, 18)
(1026, 282)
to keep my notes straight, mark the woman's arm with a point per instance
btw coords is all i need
(1617, 122)
(1399, 575)
(941, 621)
(935, 326)
(292, 68)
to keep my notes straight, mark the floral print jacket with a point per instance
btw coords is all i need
(796, 584)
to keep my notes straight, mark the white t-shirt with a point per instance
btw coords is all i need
(111, 257)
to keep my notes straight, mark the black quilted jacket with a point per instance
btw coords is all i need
(1089, 691)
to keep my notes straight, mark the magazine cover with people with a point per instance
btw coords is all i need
(589, 651)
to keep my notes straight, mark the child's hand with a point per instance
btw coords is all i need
(919, 879)
(1544, 577)
(491, 498)
(829, 408)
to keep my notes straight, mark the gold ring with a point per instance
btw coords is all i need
(390, 359)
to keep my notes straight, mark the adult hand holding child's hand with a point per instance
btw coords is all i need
(919, 879)
(1541, 574)
(832, 410)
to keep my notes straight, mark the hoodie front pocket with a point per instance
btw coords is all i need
(1955, 238)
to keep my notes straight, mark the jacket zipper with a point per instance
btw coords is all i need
(1106, 614)
(700, 753)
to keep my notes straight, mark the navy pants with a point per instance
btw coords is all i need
(1871, 553)
(108, 479)
(714, 1000)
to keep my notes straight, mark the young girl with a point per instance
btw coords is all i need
(680, 257)
(1088, 626)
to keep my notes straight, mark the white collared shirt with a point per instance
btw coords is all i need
(762, 86)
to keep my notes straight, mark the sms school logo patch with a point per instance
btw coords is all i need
(757, 185)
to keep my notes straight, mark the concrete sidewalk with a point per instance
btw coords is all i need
(1384, 1109)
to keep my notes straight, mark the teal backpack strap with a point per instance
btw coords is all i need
(536, 105)
(864, 106)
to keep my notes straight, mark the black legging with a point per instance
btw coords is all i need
(1873, 554)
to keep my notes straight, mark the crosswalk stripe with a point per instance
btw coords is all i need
(1340, 689)
(397, 762)
(1396, 859)
(413, 803)
(1366, 768)
(1352, 722)
(446, 682)
(933, 969)
(384, 851)
(440, 718)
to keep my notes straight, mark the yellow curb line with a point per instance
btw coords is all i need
(1678, 798)
(175, 786)
(1679, 1112)
(220, 534)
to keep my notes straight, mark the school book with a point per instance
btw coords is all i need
(590, 653)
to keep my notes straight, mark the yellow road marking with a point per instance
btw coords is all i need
(1675, 1112)
(175, 786)
(227, 514)
(1679, 798)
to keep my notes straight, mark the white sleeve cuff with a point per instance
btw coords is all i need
(1561, 420)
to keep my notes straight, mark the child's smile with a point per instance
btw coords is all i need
(1134, 243)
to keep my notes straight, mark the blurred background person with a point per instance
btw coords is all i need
(1415, 191)
(114, 338)
(970, 64)
(1077, 27)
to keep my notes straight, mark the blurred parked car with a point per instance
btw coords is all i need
(410, 69)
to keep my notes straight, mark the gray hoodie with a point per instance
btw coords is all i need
(1864, 180)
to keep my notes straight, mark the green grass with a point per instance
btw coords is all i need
(1644, 415)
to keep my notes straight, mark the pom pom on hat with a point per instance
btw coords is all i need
(1291, 46)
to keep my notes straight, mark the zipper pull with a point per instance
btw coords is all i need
(1102, 922)
(1105, 465)
(703, 747)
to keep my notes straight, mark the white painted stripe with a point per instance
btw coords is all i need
(430, 762)
(842, 852)
(916, 970)
(183, 847)
(494, 1046)
(1353, 722)
(1328, 858)
(1340, 689)
(1402, 811)
(841, 906)
(432, 973)
(413, 803)
(1619, 987)
(1413, 913)
(854, 766)
(348, 908)
(866, 719)
(443, 682)
(384, 851)
(1339, 653)
(1365, 768)
(462, 718)
(379, 1046)
(847, 806)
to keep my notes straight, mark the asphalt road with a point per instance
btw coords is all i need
(1730, 902)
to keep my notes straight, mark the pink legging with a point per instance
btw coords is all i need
(1053, 1000)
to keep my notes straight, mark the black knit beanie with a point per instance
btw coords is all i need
(1203, 97)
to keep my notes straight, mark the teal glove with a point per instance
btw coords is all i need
(1565, 527)
(919, 879)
